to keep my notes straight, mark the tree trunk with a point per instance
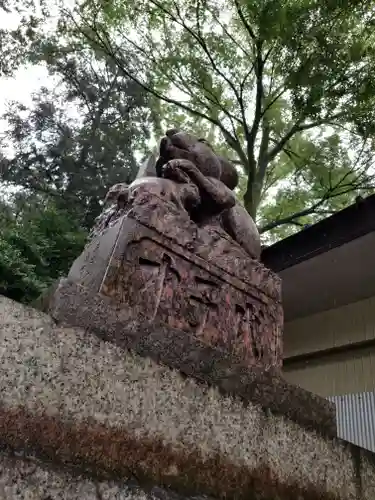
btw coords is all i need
(252, 198)
(253, 189)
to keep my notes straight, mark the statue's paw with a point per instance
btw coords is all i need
(173, 170)
(185, 165)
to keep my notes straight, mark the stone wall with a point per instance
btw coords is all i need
(26, 478)
(78, 407)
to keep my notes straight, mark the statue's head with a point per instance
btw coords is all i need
(181, 145)
(177, 145)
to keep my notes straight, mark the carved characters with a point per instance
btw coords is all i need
(178, 256)
(170, 289)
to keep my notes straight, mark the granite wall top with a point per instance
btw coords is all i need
(73, 400)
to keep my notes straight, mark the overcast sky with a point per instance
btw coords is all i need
(26, 80)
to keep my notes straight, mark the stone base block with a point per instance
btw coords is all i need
(24, 478)
(195, 282)
(93, 409)
(76, 305)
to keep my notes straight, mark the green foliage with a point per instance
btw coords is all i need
(58, 238)
(81, 137)
(77, 138)
(327, 186)
(37, 245)
(16, 41)
(268, 76)
(283, 88)
(17, 277)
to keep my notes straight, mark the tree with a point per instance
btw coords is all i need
(15, 42)
(336, 174)
(38, 243)
(288, 85)
(82, 136)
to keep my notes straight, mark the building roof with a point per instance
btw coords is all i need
(329, 264)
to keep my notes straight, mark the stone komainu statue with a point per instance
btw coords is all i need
(175, 255)
(191, 176)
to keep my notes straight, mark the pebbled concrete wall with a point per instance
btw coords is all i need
(71, 400)
(27, 478)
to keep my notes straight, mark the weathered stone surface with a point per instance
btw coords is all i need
(365, 465)
(210, 243)
(114, 204)
(181, 145)
(189, 165)
(157, 280)
(70, 399)
(24, 478)
(215, 178)
(148, 166)
(159, 268)
(209, 311)
(192, 357)
(190, 282)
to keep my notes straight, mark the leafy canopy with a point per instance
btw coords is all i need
(81, 134)
(275, 80)
(79, 137)
(37, 245)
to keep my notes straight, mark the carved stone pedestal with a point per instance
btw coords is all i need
(163, 273)
(172, 383)
(170, 388)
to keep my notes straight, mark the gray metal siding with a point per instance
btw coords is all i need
(332, 328)
(347, 373)
(355, 415)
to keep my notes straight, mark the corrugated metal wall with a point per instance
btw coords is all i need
(355, 415)
(346, 378)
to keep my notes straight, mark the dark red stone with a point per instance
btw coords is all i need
(197, 290)
(158, 266)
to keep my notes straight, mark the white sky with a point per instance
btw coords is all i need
(24, 83)
(20, 87)
(27, 80)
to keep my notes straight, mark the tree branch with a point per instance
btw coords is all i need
(308, 211)
(251, 134)
(184, 86)
(262, 157)
(199, 38)
(272, 102)
(96, 123)
(290, 218)
(333, 191)
(109, 50)
(298, 127)
(248, 28)
(227, 33)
